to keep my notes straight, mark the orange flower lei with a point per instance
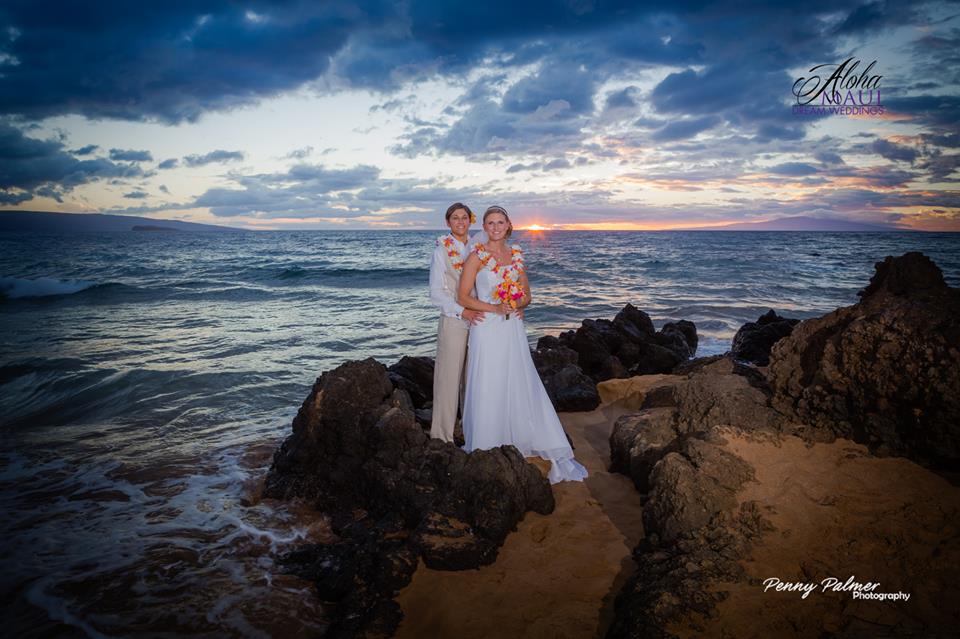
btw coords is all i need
(508, 291)
(456, 260)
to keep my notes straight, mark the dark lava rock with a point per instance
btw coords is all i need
(630, 315)
(632, 340)
(690, 486)
(668, 584)
(683, 335)
(414, 375)
(753, 341)
(720, 392)
(883, 372)
(424, 417)
(571, 364)
(656, 358)
(613, 368)
(566, 385)
(394, 495)
(570, 390)
(639, 441)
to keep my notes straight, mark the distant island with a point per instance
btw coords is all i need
(50, 222)
(802, 223)
(148, 227)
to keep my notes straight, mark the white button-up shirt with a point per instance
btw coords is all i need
(444, 279)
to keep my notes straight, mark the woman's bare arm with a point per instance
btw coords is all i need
(525, 285)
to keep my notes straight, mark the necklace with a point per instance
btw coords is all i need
(501, 255)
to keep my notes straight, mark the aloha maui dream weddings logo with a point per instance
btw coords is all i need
(856, 589)
(844, 92)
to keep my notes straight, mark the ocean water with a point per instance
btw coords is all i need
(146, 378)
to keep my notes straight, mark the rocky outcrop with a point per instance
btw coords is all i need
(753, 341)
(726, 457)
(806, 513)
(394, 495)
(670, 582)
(689, 487)
(884, 372)
(573, 362)
(720, 392)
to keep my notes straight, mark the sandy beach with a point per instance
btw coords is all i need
(557, 575)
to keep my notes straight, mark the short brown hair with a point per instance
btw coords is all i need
(502, 211)
(454, 207)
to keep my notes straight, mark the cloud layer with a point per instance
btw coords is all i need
(684, 98)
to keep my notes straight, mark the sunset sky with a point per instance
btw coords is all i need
(572, 114)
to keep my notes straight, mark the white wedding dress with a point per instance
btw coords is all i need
(505, 401)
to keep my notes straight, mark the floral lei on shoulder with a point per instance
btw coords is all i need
(456, 260)
(508, 291)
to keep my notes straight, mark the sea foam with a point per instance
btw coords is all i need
(13, 287)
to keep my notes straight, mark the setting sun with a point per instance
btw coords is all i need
(535, 227)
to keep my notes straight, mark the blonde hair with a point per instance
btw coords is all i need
(502, 211)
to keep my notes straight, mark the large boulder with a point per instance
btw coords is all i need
(690, 486)
(602, 349)
(753, 340)
(393, 494)
(883, 372)
(414, 375)
(718, 393)
(567, 386)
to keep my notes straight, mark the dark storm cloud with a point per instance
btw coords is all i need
(560, 81)
(559, 163)
(938, 112)
(794, 169)
(29, 167)
(941, 166)
(828, 157)
(624, 98)
(744, 52)
(170, 61)
(517, 168)
(487, 131)
(949, 140)
(892, 151)
(683, 129)
(301, 190)
(876, 16)
(130, 155)
(85, 150)
(212, 157)
(175, 60)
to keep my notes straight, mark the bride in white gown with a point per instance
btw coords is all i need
(505, 400)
